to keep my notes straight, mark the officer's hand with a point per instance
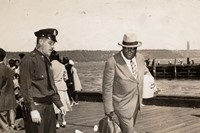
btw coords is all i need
(35, 116)
(63, 110)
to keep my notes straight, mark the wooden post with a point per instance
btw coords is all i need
(188, 54)
(154, 67)
(188, 60)
(175, 71)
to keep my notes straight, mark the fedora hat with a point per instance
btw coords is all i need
(130, 40)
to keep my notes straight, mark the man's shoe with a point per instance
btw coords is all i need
(57, 126)
(76, 103)
(72, 103)
(63, 124)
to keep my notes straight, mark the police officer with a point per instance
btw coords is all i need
(37, 85)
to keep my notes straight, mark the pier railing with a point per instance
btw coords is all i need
(173, 71)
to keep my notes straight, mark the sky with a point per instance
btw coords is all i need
(101, 24)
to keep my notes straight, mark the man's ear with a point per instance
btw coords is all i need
(41, 41)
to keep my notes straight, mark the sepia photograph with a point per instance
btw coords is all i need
(100, 66)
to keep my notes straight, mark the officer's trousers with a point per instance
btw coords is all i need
(48, 123)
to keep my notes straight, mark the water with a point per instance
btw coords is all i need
(91, 74)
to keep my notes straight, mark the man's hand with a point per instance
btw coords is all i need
(35, 116)
(110, 115)
(63, 110)
(152, 85)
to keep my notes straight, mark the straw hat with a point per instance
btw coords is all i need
(130, 40)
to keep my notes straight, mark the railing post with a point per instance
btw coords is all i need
(154, 67)
(175, 71)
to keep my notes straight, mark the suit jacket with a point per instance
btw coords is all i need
(7, 96)
(120, 88)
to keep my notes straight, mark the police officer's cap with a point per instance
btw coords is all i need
(49, 33)
(2, 53)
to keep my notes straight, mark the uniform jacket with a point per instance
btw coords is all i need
(36, 79)
(120, 87)
(7, 96)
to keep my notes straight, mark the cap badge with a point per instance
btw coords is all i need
(54, 32)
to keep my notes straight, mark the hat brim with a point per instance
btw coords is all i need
(53, 38)
(131, 46)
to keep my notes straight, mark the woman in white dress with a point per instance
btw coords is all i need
(77, 83)
(60, 76)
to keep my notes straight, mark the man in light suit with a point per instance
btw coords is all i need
(123, 83)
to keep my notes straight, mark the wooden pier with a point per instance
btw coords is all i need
(161, 114)
(152, 119)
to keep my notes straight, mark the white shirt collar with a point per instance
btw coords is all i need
(128, 62)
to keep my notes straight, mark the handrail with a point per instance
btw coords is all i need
(175, 71)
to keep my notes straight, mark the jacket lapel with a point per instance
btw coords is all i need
(122, 66)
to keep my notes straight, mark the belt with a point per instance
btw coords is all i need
(37, 103)
(47, 103)
(42, 100)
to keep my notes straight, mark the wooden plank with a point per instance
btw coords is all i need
(192, 127)
(171, 127)
(153, 119)
(170, 120)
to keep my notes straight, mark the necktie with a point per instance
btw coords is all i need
(134, 69)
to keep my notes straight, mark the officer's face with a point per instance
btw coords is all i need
(129, 53)
(47, 46)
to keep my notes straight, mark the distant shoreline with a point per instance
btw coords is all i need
(100, 55)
